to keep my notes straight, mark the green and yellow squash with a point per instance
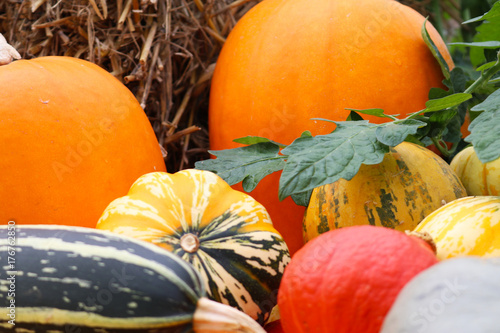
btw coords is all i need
(225, 234)
(398, 193)
(60, 279)
(478, 178)
(466, 226)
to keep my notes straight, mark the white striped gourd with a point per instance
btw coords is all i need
(466, 226)
(224, 233)
(75, 279)
(398, 193)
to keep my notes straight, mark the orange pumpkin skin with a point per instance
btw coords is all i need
(346, 280)
(287, 61)
(73, 139)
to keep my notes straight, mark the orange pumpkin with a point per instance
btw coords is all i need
(287, 61)
(73, 138)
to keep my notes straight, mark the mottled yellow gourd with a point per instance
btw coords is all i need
(466, 226)
(398, 193)
(477, 177)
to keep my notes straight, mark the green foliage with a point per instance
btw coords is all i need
(485, 129)
(248, 164)
(311, 161)
(488, 33)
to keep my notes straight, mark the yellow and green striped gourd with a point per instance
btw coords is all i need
(225, 234)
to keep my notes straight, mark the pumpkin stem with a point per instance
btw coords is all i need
(426, 237)
(7, 52)
(214, 317)
(190, 243)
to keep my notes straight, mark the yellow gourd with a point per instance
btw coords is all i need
(466, 226)
(477, 177)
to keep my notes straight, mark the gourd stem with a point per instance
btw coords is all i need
(7, 52)
(213, 317)
(426, 237)
(190, 243)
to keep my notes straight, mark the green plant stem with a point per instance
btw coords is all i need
(442, 149)
(485, 77)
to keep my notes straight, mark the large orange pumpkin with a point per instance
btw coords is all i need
(287, 61)
(73, 138)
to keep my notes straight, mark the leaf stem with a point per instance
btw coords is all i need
(442, 149)
(485, 77)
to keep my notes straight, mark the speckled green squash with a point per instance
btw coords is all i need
(398, 193)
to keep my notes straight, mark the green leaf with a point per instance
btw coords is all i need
(305, 134)
(250, 140)
(453, 133)
(446, 102)
(459, 79)
(413, 139)
(490, 104)
(440, 120)
(353, 116)
(485, 45)
(435, 93)
(302, 198)
(373, 112)
(393, 133)
(324, 159)
(488, 31)
(486, 66)
(435, 51)
(492, 14)
(248, 164)
(485, 129)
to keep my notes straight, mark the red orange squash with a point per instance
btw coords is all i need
(287, 61)
(346, 280)
(73, 138)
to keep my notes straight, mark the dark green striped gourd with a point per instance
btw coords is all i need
(225, 234)
(77, 280)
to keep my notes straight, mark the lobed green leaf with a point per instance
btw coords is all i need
(250, 140)
(248, 164)
(435, 51)
(324, 159)
(446, 102)
(485, 129)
